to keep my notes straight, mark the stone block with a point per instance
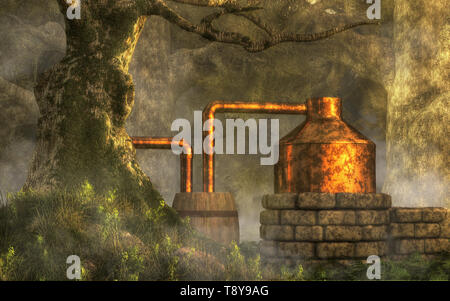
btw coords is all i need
(335, 250)
(434, 215)
(365, 249)
(372, 217)
(406, 215)
(337, 217)
(308, 233)
(313, 200)
(408, 246)
(426, 230)
(298, 217)
(437, 245)
(343, 233)
(279, 201)
(270, 217)
(296, 249)
(399, 230)
(268, 248)
(445, 228)
(276, 232)
(363, 201)
(374, 232)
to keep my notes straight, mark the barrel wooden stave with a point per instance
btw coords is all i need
(212, 213)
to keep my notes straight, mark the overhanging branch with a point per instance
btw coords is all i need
(207, 30)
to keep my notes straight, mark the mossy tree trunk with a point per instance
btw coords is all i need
(84, 102)
(418, 165)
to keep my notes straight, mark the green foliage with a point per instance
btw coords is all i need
(8, 265)
(131, 265)
(416, 267)
(296, 274)
(240, 267)
(117, 240)
(235, 262)
(113, 237)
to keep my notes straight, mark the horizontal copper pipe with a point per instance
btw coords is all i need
(166, 143)
(239, 107)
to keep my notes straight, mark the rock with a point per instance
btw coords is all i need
(312, 200)
(402, 230)
(298, 217)
(280, 201)
(296, 249)
(363, 201)
(408, 246)
(343, 233)
(375, 232)
(268, 248)
(406, 215)
(270, 217)
(365, 249)
(335, 250)
(334, 217)
(273, 232)
(372, 217)
(306, 233)
(426, 230)
(437, 245)
(434, 215)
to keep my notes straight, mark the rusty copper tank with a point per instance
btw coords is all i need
(325, 154)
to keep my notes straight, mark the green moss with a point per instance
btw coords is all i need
(117, 240)
(111, 234)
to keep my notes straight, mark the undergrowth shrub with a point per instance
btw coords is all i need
(120, 239)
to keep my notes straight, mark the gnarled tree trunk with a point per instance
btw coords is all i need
(84, 102)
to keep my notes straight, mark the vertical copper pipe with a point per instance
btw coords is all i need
(166, 143)
(241, 107)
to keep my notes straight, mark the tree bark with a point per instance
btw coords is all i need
(84, 102)
(418, 112)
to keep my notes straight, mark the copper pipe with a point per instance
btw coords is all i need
(241, 107)
(166, 143)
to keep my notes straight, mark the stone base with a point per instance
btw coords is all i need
(309, 227)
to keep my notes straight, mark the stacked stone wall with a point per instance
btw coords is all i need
(322, 227)
(422, 230)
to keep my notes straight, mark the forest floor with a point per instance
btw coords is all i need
(119, 240)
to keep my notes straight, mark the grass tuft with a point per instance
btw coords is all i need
(118, 240)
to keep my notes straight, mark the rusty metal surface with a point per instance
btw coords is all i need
(237, 107)
(166, 143)
(325, 154)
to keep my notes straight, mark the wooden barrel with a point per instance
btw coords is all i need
(212, 213)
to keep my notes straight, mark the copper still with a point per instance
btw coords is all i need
(325, 154)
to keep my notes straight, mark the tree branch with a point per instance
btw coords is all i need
(258, 23)
(207, 30)
(207, 3)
